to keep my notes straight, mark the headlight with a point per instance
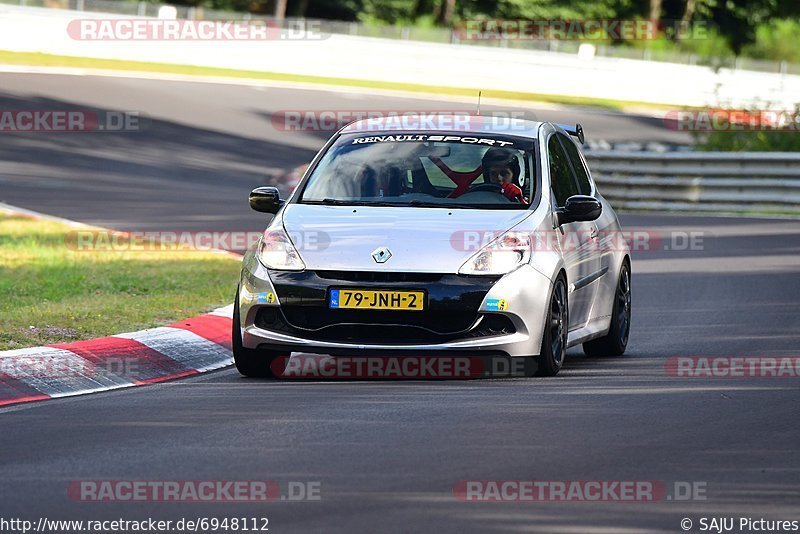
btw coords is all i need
(501, 256)
(277, 252)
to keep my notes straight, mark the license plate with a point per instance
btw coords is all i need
(368, 299)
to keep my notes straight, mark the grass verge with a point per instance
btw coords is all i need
(52, 293)
(51, 60)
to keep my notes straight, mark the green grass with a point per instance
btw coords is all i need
(49, 60)
(52, 293)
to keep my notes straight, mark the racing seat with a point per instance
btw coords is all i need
(463, 180)
(420, 183)
(393, 182)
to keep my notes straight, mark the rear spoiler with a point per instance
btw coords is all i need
(575, 131)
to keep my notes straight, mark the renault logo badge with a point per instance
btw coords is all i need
(381, 255)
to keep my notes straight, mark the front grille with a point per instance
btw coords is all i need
(316, 317)
(377, 276)
(451, 309)
(316, 325)
(376, 333)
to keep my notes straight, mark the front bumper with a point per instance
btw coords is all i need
(288, 312)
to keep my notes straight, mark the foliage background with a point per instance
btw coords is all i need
(761, 29)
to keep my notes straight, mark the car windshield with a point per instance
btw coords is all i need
(423, 170)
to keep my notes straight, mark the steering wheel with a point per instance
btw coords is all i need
(491, 188)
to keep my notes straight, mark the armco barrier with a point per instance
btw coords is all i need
(698, 181)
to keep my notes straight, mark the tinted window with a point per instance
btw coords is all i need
(563, 182)
(584, 185)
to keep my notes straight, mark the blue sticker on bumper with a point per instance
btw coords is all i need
(265, 298)
(496, 304)
(334, 299)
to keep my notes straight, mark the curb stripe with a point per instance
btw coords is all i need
(150, 356)
(225, 311)
(186, 348)
(194, 351)
(57, 372)
(126, 357)
(13, 390)
(214, 328)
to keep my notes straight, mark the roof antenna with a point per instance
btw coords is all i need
(479, 103)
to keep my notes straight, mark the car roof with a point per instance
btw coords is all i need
(437, 121)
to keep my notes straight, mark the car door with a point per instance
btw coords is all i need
(577, 239)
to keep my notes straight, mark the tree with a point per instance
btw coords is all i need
(655, 10)
(446, 12)
(280, 10)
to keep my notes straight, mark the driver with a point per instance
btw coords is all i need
(501, 166)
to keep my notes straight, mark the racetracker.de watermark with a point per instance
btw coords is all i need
(26, 120)
(580, 30)
(410, 367)
(578, 491)
(470, 240)
(201, 491)
(65, 365)
(331, 120)
(99, 240)
(139, 29)
(733, 366)
(733, 120)
(572, 240)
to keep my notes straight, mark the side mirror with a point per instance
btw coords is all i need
(266, 199)
(579, 208)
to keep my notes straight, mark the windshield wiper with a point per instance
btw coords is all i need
(415, 202)
(429, 204)
(412, 203)
(330, 202)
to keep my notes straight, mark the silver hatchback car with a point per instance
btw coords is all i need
(486, 239)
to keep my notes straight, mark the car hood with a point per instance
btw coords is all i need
(430, 240)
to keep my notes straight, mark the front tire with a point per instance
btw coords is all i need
(252, 363)
(616, 341)
(554, 337)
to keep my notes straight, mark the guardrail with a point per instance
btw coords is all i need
(736, 182)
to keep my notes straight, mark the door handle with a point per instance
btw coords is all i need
(594, 232)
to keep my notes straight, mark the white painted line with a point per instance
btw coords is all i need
(16, 210)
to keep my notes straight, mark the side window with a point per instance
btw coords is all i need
(584, 185)
(562, 181)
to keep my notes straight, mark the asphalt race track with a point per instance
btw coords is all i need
(387, 455)
(201, 149)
